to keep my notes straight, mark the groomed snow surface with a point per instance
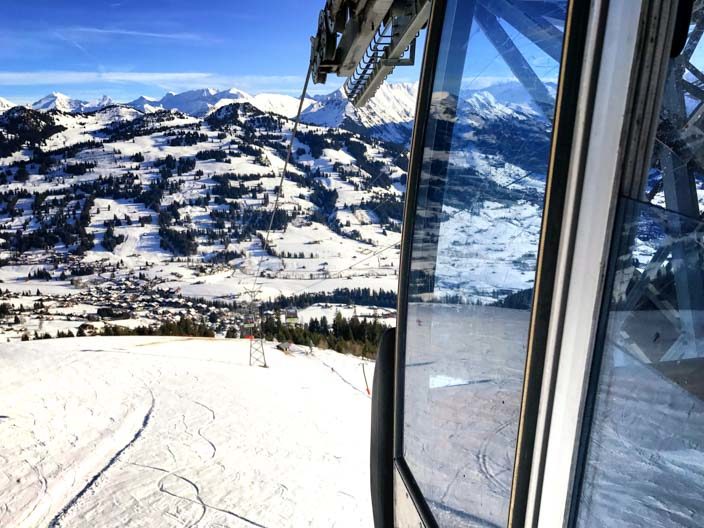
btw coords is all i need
(146, 432)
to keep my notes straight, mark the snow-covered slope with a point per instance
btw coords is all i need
(146, 104)
(201, 102)
(284, 105)
(107, 432)
(58, 101)
(63, 103)
(5, 104)
(388, 115)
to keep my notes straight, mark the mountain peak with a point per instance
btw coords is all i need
(5, 104)
(64, 103)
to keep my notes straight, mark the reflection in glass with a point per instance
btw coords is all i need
(645, 463)
(676, 178)
(645, 453)
(473, 258)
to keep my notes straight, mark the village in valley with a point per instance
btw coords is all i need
(128, 218)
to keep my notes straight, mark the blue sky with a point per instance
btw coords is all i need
(127, 48)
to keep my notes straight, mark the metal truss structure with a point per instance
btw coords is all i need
(364, 40)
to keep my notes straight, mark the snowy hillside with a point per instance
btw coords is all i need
(5, 104)
(284, 105)
(388, 115)
(180, 204)
(63, 103)
(146, 432)
(96, 207)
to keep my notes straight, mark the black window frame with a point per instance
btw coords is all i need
(571, 67)
(659, 36)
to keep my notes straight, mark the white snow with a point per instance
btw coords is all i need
(205, 101)
(201, 102)
(5, 104)
(146, 432)
(391, 110)
(284, 105)
(63, 103)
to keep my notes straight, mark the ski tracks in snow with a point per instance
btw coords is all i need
(488, 467)
(56, 521)
(200, 429)
(486, 461)
(197, 500)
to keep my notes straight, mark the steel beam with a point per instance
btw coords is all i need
(404, 30)
(515, 60)
(540, 32)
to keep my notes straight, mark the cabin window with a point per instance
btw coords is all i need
(476, 235)
(644, 462)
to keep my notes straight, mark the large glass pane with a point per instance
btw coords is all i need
(645, 454)
(645, 463)
(676, 178)
(475, 241)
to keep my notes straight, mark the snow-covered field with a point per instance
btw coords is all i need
(145, 432)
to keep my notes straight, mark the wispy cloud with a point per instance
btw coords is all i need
(46, 78)
(72, 43)
(136, 33)
(163, 80)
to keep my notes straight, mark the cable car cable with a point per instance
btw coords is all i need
(368, 257)
(283, 173)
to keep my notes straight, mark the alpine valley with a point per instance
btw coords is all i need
(134, 215)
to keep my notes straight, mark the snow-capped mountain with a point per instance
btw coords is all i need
(284, 105)
(199, 103)
(58, 101)
(64, 103)
(388, 115)
(146, 104)
(5, 104)
(101, 103)
(510, 93)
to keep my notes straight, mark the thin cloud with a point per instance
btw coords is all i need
(142, 34)
(72, 43)
(177, 81)
(42, 78)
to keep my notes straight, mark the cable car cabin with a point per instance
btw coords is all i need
(547, 368)
(291, 316)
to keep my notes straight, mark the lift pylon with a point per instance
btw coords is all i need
(252, 322)
(257, 356)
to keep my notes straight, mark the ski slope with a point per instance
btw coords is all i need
(143, 432)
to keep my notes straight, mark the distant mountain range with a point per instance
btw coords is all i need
(388, 116)
(193, 174)
(63, 103)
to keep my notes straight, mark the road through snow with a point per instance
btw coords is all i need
(144, 432)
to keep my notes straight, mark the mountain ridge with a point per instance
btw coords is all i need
(388, 115)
